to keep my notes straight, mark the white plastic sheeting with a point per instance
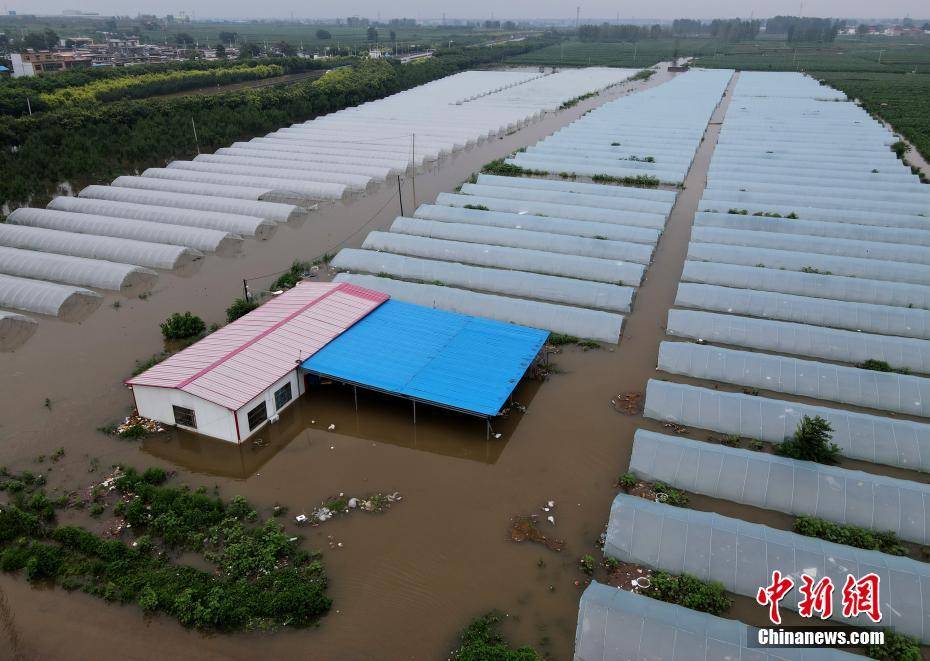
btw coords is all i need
(206, 240)
(275, 187)
(125, 251)
(912, 237)
(837, 383)
(282, 175)
(496, 281)
(390, 167)
(742, 556)
(777, 202)
(569, 186)
(580, 322)
(15, 329)
(192, 187)
(274, 211)
(830, 214)
(876, 439)
(513, 238)
(75, 270)
(857, 290)
(846, 497)
(854, 267)
(227, 223)
(532, 261)
(565, 226)
(811, 244)
(632, 218)
(885, 319)
(618, 138)
(361, 168)
(801, 339)
(616, 624)
(616, 203)
(63, 301)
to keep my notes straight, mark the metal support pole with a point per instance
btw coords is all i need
(196, 140)
(413, 157)
(414, 412)
(245, 290)
(355, 394)
(400, 196)
(487, 429)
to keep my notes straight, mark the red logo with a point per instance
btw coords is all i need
(818, 597)
(860, 597)
(773, 594)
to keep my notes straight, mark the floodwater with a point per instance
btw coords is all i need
(404, 582)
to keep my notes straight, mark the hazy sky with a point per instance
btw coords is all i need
(484, 8)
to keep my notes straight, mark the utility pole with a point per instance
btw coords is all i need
(400, 196)
(577, 16)
(413, 158)
(29, 105)
(245, 290)
(196, 140)
(880, 53)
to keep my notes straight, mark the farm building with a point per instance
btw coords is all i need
(229, 384)
(236, 380)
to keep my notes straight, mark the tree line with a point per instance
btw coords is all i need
(84, 145)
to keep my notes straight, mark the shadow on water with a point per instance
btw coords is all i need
(379, 418)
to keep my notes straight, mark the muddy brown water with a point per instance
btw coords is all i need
(403, 582)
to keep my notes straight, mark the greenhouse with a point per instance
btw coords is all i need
(227, 223)
(518, 238)
(568, 186)
(192, 188)
(845, 497)
(884, 391)
(533, 261)
(76, 270)
(742, 556)
(15, 329)
(549, 288)
(580, 322)
(872, 438)
(125, 251)
(355, 183)
(63, 301)
(275, 187)
(614, 202)
(619, 624)
(860, 317)
(902, 353)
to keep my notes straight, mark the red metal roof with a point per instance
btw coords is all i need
(241, 360)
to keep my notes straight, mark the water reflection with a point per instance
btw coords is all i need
(379, 418)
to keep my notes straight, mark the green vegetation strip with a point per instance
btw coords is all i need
(688, 591)
(861, 538)
(260, 580)
(482, 641)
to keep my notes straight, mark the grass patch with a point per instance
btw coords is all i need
(476, 207)
(239, 308)
(641, 180)
(575, 101)
(881, 366)
(644, 74)
(499, 167)
(688, 591)
(861, 538)
(482, 641)
(897, 647)
(261, 580)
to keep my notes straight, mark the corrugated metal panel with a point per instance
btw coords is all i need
(801, 339)
(846, 497)
(444, 358)
(615, 625)
(877, 439)
(236, 363)
(743, 555)
(837, 383)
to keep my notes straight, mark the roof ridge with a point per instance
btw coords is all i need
(209, 368)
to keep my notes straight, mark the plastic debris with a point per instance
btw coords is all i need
(301, 518)
(551, 519)
(331, 427)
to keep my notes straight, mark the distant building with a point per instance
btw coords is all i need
(36, 63)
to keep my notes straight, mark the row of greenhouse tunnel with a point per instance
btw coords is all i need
(60, 261)
(804, 295)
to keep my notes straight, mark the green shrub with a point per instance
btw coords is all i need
(482, 641)
(673, 496)
(587, 564)
(897, 647)
(641, 180)
(900, 148)
(292, 276)
(476, 207)
(499, 167)
(811, 442)
(180, 326)
(881, 366)
(239, 308)
(627, 481)
(643, 74)
(688, 591)
(861, 538)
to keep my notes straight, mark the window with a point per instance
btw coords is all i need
(184, 417)
(282, 396)
(257, 416)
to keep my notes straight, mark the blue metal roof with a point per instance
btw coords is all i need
(440, 357)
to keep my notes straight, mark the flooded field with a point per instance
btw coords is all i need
(405, 581)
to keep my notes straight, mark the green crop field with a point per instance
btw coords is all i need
(644, 53)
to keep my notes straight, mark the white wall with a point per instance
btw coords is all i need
(297, 389)
(212, 419)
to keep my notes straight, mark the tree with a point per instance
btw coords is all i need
(183, 38)
(372, 34)
(220, 51)
(248, 49)
(811, 442)
(393, 36)
(323, 35)
(862, 29)
(229, 37)
(285, 49)
(181, 326)
(40, 40)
